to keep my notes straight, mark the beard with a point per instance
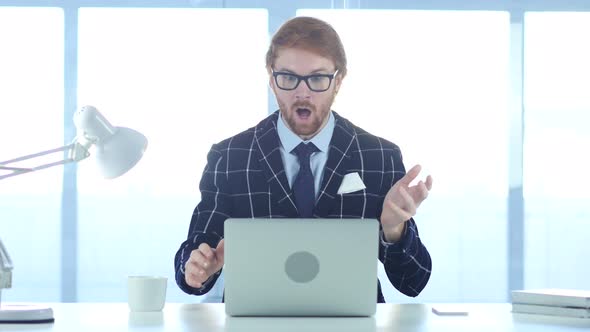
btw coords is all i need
(304, 118)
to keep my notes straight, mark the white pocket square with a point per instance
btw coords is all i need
(350, 183)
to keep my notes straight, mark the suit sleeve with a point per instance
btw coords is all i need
(206, 224)
(407, 262)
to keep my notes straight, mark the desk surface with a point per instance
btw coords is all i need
(114, 317)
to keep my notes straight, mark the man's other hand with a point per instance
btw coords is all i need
(203, 263)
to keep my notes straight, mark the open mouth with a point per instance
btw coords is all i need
(303, 113)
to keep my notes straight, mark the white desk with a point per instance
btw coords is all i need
(113, 317)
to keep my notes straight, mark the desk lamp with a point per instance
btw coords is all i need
(117, 150)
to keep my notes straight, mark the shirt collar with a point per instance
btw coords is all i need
(290, 140)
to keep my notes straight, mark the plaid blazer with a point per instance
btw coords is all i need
(245, 178)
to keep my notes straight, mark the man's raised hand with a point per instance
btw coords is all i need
(402, 202)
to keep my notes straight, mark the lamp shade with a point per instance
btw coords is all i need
(118, 149)
(120, 152)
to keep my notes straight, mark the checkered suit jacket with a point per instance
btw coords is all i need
(245, 178)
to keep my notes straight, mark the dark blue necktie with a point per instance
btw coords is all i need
(303, 186)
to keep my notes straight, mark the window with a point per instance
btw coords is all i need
(31, 113)
(186, 78)
(556, 181)
(435, 83)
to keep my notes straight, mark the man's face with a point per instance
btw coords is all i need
(305, 111)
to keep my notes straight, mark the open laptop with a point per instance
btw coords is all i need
(301, 267)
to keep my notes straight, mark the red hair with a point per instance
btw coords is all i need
(310, 34)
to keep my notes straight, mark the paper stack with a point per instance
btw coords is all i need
(555, 302)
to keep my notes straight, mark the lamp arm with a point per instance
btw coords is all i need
(5, 268)
(77, 151)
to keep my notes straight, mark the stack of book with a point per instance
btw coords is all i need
(555, 302)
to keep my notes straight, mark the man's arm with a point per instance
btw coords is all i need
(406, 260)
(207, 221)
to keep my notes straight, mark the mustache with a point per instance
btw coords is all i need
(303, 104)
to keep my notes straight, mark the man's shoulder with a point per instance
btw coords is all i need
(365, 139)
(244, 138)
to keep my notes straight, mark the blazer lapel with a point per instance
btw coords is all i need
(339, 161)
(268, 142)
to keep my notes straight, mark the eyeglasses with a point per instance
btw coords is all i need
(315, 82)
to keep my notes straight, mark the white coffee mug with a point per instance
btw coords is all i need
(146, 293)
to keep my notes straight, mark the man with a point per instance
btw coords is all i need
(266, 171)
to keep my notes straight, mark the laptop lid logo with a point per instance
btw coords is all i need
(302, 267)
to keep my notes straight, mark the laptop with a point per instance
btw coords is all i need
(301, 267)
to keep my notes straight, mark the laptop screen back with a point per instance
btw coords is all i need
(301, 267)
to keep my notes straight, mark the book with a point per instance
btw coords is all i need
(550, 310)
(553, 297)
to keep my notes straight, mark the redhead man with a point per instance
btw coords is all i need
(292, 163)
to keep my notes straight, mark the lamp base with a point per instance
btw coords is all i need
(25, 314)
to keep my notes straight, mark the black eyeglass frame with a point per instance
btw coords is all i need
(304, 78)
